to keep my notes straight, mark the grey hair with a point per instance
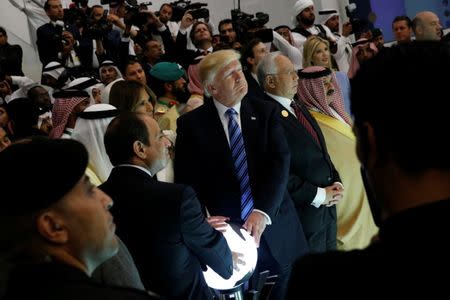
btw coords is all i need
(267, 66)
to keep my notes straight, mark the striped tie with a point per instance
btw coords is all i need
(240, 163)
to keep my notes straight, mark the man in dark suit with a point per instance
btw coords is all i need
(314, 183)
(57, 41)
(252, 168)
(252, 54)
(54, 239)
(177, 239)
(406, 165)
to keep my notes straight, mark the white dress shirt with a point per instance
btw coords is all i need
(222, 109)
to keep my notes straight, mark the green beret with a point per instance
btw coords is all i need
(167, 71)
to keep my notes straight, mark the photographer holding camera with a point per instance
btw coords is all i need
(331, 18)
(57, 41)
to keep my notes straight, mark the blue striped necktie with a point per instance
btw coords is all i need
(240, 163)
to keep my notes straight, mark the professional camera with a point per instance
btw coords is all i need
(135, 17)
(195, 9)
(57, 37)
(358, 25)
(98, 28)
(75, 16)
(248, 26)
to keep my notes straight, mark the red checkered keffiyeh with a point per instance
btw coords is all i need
(60, 114)
(312, 93)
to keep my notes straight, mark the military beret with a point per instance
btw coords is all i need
(167, 71)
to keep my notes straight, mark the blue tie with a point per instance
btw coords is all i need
(240, 163)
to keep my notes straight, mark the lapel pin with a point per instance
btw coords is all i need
(284, 113)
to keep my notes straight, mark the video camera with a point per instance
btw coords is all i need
(196, 9)
(98, 28)
(358, 25)
(248, 26)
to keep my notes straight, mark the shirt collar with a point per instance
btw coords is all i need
(285, 102)
(222, 108)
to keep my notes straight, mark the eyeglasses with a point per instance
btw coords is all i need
(290, 73)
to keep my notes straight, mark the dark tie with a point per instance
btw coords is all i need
(304, 121)
(240, 163)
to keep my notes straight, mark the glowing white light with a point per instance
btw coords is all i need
(242, 243)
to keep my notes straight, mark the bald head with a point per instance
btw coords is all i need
(427, 27)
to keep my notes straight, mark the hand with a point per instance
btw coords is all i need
(113, 18)
(255, 225)
(334, 193)
(186, 21)
(218, 222)
(347, 29)
(237, 260)
(153, 19)
(70, 41)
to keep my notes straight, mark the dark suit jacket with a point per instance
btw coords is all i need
(254, 89)
(54, 281)
(409, 259)
(166, 232)
(311, 167)
(204, 161)
(47, 43)
(11, 59)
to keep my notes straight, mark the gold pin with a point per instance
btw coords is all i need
(284, 113)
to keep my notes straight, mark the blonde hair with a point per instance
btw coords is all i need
(213, 63)
(310, 47)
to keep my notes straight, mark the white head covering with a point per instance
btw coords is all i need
(107, 90)
(89, 130)
(300, 5)
(325, 14)
(53, 69)
(109, 63)
(86, 84)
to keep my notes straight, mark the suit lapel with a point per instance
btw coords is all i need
(215, 132)
(315, 126)
(295, 124)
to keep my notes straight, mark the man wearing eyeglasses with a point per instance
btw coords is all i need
(314, 184)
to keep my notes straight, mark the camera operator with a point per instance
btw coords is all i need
(199, 33)
(99, 42)
(57, 41)
(305, 18)
(165, 16)
(330, 18)
(228, 36)
(190, 15)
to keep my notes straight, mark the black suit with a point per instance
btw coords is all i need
(204, 161)
(49, 45)
(254, 89)
(165, 230)
(310, 167)
(409, 259)
(54, 281)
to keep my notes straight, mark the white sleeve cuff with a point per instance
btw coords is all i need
(269, 221)
(320, 197)
(162, 28)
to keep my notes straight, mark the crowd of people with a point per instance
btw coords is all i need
(171, 132)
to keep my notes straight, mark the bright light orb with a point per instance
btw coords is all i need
(239, 240)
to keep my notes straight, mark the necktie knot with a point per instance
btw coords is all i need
(230, 112)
